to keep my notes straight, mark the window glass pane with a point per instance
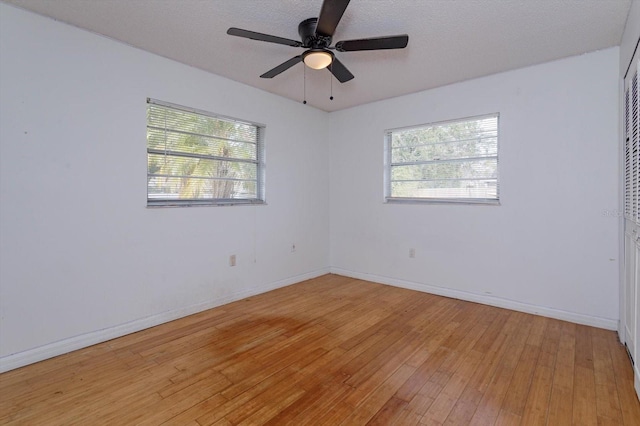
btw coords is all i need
(444, 189)
(162, 140)
(196, 188)
(200, 167)
(476, 168)
(164, 117)
(194, 156)
(456, 160)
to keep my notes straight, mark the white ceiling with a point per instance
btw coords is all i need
(449, 40)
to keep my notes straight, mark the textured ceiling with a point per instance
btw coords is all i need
(449, 40)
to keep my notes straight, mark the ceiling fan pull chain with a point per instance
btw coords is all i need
(304, 85)
(331, 80)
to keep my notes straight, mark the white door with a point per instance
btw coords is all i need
(631, 177)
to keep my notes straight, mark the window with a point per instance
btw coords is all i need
(198, 158)
(453, 161)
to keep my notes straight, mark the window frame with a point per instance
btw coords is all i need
(389, 199)
(193, 202)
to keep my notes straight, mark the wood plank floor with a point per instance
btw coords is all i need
(332, 351)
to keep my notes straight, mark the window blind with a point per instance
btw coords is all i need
(195, 157)
(454, 161)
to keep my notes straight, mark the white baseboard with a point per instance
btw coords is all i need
(607, 323)
(51, 350)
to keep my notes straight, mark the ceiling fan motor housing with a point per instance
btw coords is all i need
(307, 31)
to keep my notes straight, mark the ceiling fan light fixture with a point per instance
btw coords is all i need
(318, 59)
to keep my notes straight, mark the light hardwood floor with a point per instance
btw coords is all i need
(331, 351)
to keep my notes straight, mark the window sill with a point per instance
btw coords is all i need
(466, 201)
(161, 204)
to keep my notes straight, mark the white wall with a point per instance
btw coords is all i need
(551, 247)
(81, 257)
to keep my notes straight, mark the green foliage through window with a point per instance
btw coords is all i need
(195, 158)
(449, 161)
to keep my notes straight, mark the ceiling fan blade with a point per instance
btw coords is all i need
(262, 37)
(282, 67)
(339, 71)
(376, 43)
(330, 14)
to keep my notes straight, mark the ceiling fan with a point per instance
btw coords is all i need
(316, 35)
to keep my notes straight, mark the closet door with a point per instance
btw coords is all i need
(631, 152)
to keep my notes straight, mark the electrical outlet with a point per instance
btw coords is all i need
(232, 260)
(412, 253)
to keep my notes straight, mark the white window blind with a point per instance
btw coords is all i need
(632, 149)
(454, 161)
(195, 158)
